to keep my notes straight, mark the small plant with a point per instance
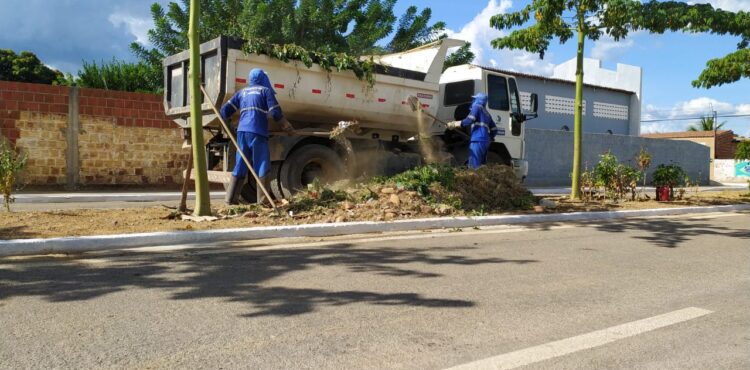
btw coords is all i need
(644, 162)
(743, 154)
(615, 177)
(420, 178)
(11, 163)
(588, 185)
(668, 175)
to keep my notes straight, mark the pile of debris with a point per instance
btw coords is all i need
(421, 192)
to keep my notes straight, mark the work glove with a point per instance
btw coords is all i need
(453, 125)
(286, 126)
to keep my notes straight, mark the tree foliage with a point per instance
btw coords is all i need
(339, 26)
(728, 69)
(659, 17)
(119, 75)
(706, 124)
(462, 55)
(332, 33)
(415, 30)
(592, 19)
(11, 163)
(26, 67)
(743, 151)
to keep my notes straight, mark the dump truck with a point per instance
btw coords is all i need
(390, 134)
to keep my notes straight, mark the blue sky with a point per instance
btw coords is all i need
(66, 32)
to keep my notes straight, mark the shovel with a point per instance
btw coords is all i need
(416, 106)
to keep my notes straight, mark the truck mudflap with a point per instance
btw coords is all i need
(521, 168)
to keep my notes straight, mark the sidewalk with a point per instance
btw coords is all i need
(648, 189)
(105, 196)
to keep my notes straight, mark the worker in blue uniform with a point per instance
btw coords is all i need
(483, 130)
(255, 103)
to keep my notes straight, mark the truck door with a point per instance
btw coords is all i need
(498, 103)
(500, 107)
(516, 118)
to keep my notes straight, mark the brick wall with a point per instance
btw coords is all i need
(120, 138)
(725, 146)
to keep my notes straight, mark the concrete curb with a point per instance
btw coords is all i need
(17, 247)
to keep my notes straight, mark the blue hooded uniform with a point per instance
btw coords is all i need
(483, 131)
(255, 103)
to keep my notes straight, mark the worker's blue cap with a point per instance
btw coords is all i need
(480, 98)
(259, 77)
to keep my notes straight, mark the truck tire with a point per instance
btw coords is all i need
(307, 163)
(275, 189)
(498, 158)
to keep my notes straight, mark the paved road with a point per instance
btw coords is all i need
(667, 293)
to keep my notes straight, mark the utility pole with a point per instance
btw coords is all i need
(716, 127)
(202, 196)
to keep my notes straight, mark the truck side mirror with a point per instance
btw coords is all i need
(534, 100)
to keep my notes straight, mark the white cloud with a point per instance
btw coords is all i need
(730, 5)
(694, 108)
(607, 48)
(743, 109)
(479, 33)
(138, 27)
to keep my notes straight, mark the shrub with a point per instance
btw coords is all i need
(615, 177)
(11, 163)
(669, 175)
(743, 151)
(419, 179)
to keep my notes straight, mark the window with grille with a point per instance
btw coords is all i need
(611, 111)
(558, 104)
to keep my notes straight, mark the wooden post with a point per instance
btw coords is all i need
(188, 172)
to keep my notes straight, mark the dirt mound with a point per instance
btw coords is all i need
(491, 188)
(423, 191)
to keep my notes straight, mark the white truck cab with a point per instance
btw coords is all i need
(458, 85)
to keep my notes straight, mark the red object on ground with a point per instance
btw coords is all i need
(662, 193)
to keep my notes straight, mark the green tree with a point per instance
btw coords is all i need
(563, 19)
(743, 151)
(202, 196)
(351, 26)
(120, 75)
(415, 30)
(461, 56)
(592, 19)
(26, 67)
(706, 124)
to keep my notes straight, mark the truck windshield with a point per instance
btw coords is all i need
(515, 102)
(497, 89)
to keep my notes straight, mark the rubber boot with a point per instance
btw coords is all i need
(233, 191)
(262, 200)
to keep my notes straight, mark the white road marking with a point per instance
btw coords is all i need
(597, 338)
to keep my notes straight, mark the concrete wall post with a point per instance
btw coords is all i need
(72, 159)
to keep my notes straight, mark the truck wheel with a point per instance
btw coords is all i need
(276, 191)
(494, 157)
(308, 163)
